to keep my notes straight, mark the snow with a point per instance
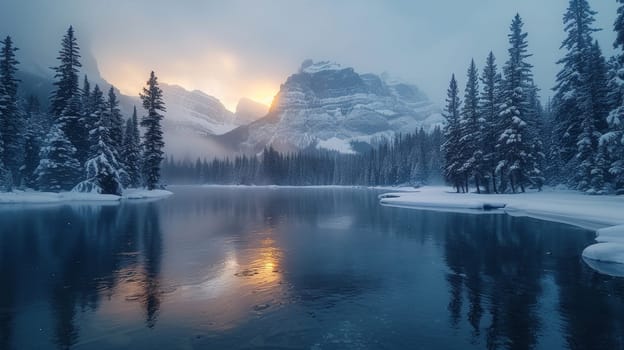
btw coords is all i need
(602, 213)
(145, 194)
(591, 212)
(33, 197)
(312, 67)
(21, 197)
(336, 144)
(606, 258)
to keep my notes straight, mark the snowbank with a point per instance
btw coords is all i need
(33, 197)
(591, 212)
(602, 213)
(145, 194)
(21, 197)
(607, 256)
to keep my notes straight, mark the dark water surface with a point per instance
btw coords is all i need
(218, 268)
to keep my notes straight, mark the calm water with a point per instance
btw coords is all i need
(296, 269)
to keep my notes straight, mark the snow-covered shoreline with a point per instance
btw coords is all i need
(605, 214)
(34, 197)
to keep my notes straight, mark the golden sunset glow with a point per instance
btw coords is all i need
(219, 74)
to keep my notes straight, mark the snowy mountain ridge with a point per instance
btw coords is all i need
(325, 105)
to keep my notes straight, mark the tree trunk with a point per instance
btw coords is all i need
(494, 184)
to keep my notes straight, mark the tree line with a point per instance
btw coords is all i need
(82, 143)
(500, 138)
(407, 159)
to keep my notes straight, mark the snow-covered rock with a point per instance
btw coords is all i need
(325, 105)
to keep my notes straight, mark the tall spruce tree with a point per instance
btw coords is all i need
(12, 122)
(131, 155)
(612, 142)
(66, 73)
(471, 128)
(452, 134)
(514, 143)
(571, 105)
(116, 121)
(5, 178)
(69, 117)
(488, 111)
(153, 143)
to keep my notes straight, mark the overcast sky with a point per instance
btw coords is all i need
(246, 48)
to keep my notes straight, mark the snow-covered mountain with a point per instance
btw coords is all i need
(325, 105)
(191, 117)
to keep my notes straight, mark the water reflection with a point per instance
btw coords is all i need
(322, 269)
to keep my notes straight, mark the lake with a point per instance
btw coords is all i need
(241, 268)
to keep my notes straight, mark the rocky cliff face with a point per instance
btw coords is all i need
(325, 105)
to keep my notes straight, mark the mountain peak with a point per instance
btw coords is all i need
(311, 67)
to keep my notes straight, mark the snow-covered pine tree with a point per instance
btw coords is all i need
(58, 167)
(66, 74)
(116, 121)
(593, 100)
(86, 114)
(103, 173)
(12, 122)
(153, 143)
(33, 138)
(572, 81)
(74, 128)
(5, 178)
(534, 118)
(131, 155)
(470, 124)
(514, 144)
(612, 142)
(488, 111)
(452, 135)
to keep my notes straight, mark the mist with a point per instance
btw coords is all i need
(239, 48)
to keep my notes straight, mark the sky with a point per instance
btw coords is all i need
(247, 48)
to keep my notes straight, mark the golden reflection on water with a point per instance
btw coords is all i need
(246, 283)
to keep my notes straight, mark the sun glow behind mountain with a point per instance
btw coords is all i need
(220, 75)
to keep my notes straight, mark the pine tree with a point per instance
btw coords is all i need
(12, 122)
(570, 101)
(131, 155)
(66, 74)
(514, 143)
(471, 128)
(488, 111)
(593, 99)
(612, 142)
(58, 167)
(452, 134)
(35, 133)
(534, 119)
(5, 178)
(153, 143)
(87, 111)
(74, 128)
(116, 121)
(103, 172)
